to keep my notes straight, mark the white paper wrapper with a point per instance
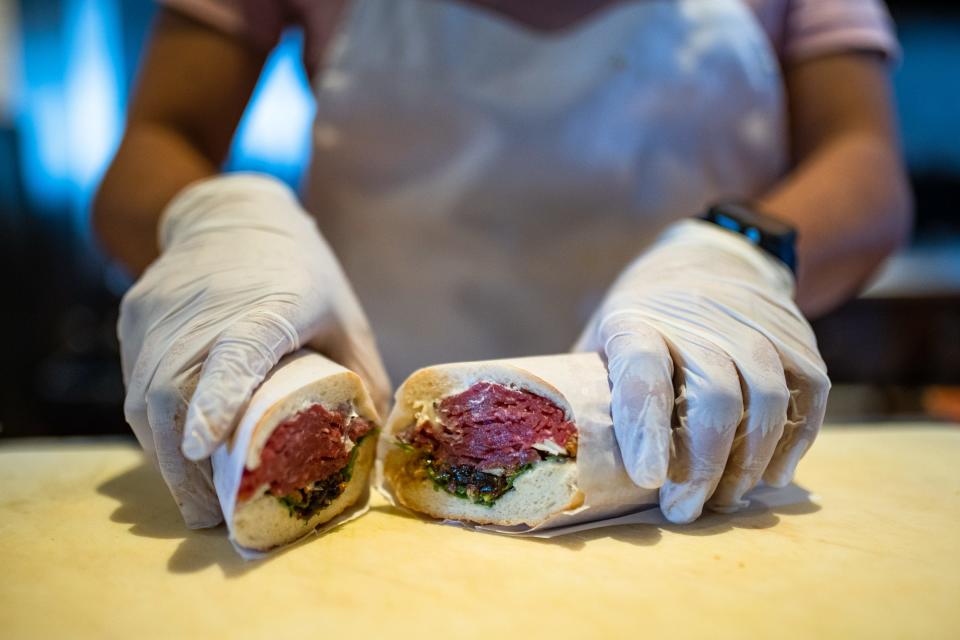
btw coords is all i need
(278, 396)
(608, 490)
(610, 497)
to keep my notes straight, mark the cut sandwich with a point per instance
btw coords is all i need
(487, 443)
(301, 454)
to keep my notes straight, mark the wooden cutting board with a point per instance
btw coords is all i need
(91, 545)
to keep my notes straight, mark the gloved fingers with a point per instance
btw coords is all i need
(809, 389)
(709, 408)
(190, 483)
(135, 405)
(808, 384)
(641, 376)
(766, 397)
(239, 360)
(155, 365)
(135, 413)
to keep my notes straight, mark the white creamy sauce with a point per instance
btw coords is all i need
(550, 447)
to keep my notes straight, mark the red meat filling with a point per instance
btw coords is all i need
(490, 426)
(305, 448)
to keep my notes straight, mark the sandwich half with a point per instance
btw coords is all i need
(483, 442)
(301, 454)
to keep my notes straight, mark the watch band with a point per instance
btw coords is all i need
(764, 231)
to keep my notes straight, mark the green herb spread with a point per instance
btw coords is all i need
(469, 482)
(304, 503)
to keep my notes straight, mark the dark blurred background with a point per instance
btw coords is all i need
(66, 67)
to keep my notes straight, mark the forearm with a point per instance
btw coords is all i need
(152, 165)
(194, 84)
(851, 204)
(848, 194)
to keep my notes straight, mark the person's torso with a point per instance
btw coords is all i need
(484, 183)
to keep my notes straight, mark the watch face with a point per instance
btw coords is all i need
(746, 216)
(766, 232)
(753, 234)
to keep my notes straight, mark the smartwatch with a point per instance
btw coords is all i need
(774, 236)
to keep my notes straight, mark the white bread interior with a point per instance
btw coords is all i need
(545, 490)
(263, 523)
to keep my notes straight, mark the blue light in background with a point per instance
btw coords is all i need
(274, 134)
(72, 107)
(71, 111)
(93, 92)
(928, 94)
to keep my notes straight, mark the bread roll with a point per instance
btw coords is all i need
(454, 416)
(300, 455)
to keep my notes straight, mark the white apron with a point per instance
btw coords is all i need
(484, 183)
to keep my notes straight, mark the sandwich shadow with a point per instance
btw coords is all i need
(145, 505)
(792, 500)
(762, 513)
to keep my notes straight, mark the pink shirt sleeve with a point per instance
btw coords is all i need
(258, 22)
(261, 22)
(802, 29)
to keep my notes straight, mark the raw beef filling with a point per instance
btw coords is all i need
(486, 436)
(307, 460)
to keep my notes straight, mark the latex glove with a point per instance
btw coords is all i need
(715, 374)
(243, 278)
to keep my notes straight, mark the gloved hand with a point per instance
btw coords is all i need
(715, 374)
(243, 278)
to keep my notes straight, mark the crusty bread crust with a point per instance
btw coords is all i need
(262, 523)
(547, 489)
